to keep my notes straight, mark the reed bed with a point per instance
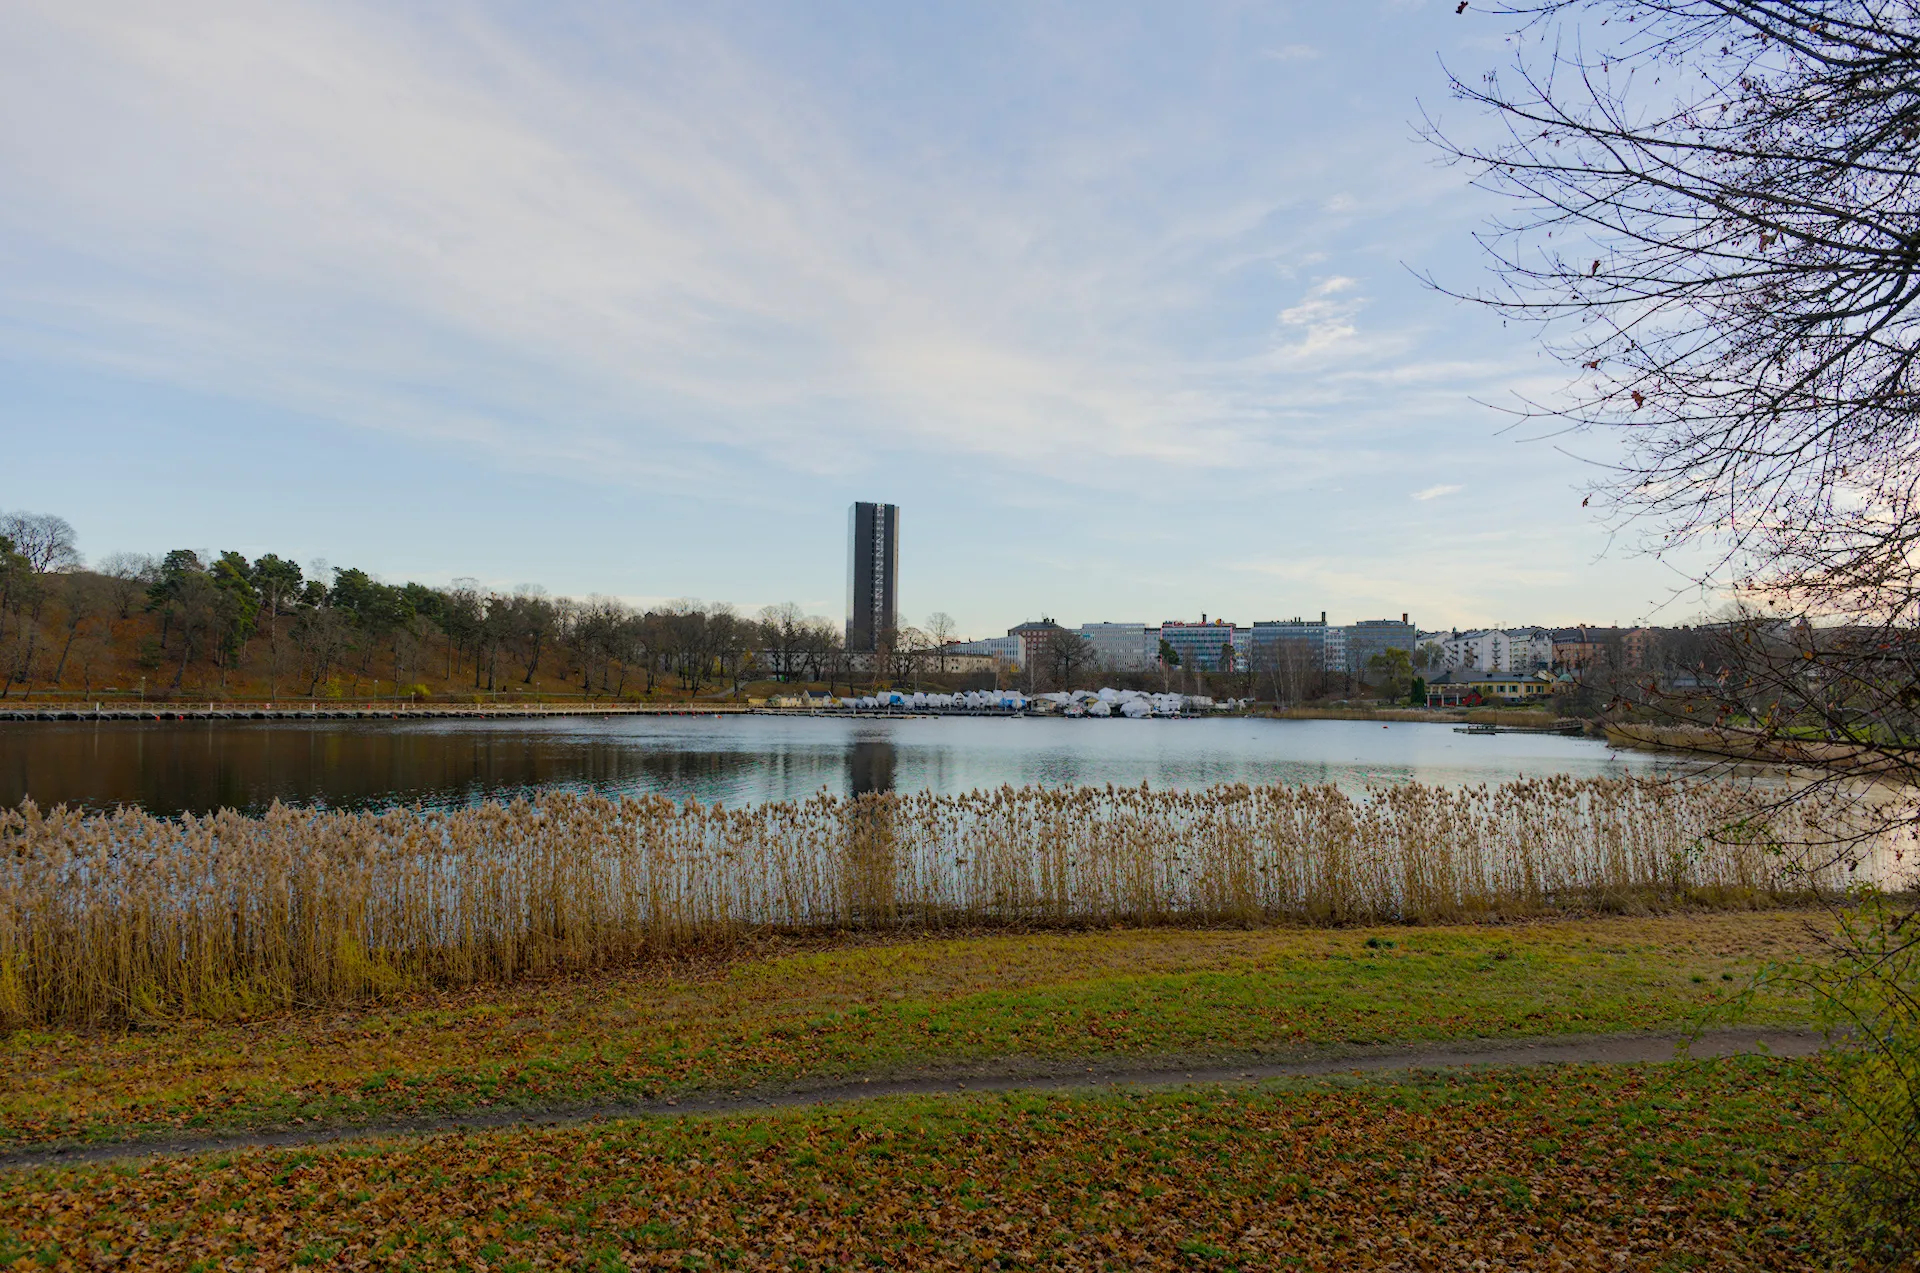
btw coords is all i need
(110, 917)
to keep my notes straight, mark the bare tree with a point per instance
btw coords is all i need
(732, 640)
(836, 661)
(128, 577)
(323, 637)
(940, 630)
(463, 612)
(1727, 267)
(784, 629)
(821, 649)
(1715, 220)
(531, 618)
(598, 633)
(651, 639)
(82, 600)
(688, 637)
(1066, 656)
(1292, 671)
(46, 541)
(908, 651)
(86, 654)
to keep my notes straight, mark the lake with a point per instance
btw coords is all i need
(169, 767)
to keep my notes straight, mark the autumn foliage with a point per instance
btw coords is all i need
(1599, 1168)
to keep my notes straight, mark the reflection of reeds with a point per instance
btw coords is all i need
(109, 917)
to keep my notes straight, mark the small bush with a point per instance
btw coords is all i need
(1867, 995)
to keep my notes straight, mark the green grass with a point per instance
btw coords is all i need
(1676, 1166)
(788, 1014)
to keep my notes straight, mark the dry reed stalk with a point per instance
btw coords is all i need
(111, 917)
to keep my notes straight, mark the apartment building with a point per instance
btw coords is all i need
(1033, 638)
(1206, 646)
(1123, 647)
(1007, 651)
(1371, 637)
(1496, 649)
(1268, 637)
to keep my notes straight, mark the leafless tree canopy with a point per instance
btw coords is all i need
(44, 540)
(1712, 207)
(1713, 211)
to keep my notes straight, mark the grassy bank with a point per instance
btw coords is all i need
(792, 1012)
(126, 917)
(1763, 747)
(1586, 1168)
(1517, 717)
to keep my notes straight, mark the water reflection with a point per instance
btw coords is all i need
(199, 766)
(870, 766)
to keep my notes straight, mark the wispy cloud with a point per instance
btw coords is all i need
(1029, 262)
(345, 211)
(1435, 492)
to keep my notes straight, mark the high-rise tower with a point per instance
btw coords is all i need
(873, 574)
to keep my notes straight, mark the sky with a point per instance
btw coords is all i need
(1117, 301)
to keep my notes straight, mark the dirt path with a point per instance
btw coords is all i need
(996, 1076)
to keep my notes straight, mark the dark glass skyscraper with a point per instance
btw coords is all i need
(873, 574)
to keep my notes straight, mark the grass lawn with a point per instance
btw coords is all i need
(788, 1012)
(1667, 1167)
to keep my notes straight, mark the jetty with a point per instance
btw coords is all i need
(1565, 727)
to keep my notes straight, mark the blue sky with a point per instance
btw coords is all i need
(1112, 299)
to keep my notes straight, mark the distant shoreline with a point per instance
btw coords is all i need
(307, 710)
(1517, 717)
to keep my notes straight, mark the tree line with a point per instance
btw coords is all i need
(184, 622)
(227, 622)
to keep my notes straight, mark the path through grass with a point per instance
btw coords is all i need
(788, 1013)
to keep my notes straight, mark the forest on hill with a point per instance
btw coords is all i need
(176, 624)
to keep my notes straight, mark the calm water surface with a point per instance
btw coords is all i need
(169, 767)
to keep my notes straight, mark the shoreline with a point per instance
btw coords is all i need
(1508, 717)
(369, 709)
(1754, 747)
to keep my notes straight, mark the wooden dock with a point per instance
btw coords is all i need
(1567, 729)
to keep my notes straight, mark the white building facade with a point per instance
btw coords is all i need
(1337, 651)
(1010, 651)
(1506, 650)
(1529, 649)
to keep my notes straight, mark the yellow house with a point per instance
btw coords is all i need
(1465, 686)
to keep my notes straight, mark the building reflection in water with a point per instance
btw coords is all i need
(870, 766)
